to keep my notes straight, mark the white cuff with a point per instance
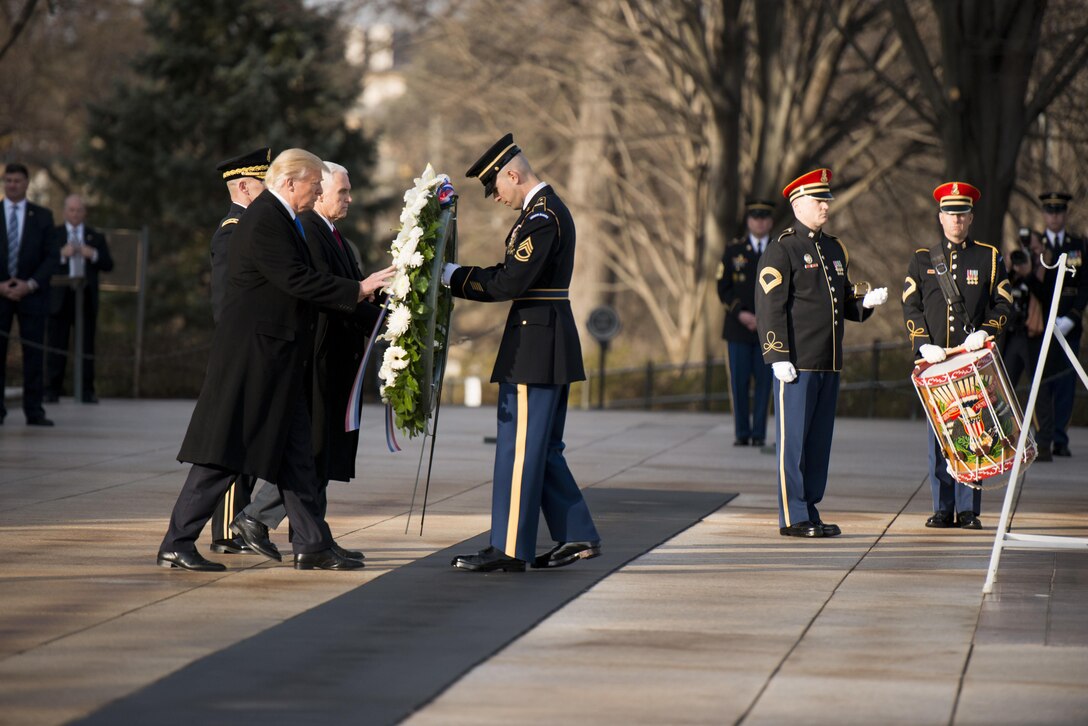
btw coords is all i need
(447, 272)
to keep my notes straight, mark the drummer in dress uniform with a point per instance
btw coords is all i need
(804, 297)
(934, 324)
(244, 176)
(737, 291)
(1070, 320)
(538, 358)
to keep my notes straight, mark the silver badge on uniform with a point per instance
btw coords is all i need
(808, 259)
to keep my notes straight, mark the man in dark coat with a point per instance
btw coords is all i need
(28, 258)
(934, 324)
(253, 414)
(340, 343)
(539, 357)
(804, 284)
(84, 252)
(244, 177)
(737, 291)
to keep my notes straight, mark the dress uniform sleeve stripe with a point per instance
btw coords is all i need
(514, 515)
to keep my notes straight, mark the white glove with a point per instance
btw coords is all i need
(879, 296)
(1064, 324)
(975, 340)
(447, 272)
(932, 353)
(784, 371)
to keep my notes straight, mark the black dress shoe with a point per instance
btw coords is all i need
(566, 553)
(38, 421)
(740, 442)
(830, 530)
(1062, 450)
(1043, 454)
(255, 534)
(802, 529)
(235, 546)
(325, 560)
(488, 560)
(350, 554)
(188, 561)
(940, 520)
(968, 520)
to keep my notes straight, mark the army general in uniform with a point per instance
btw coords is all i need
(244, 177)
(934, 324)
(538, 358)
(804, 297)
(737, 291)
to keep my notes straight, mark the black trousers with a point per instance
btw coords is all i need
(32, 332)
(61, 328)
(297, 483)
(233, 501)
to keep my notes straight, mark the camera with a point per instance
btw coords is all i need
(1025, 236)
(1019, 257)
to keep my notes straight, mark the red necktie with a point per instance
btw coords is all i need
(339, 239)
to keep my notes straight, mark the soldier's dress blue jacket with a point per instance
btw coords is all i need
(737, 291)
(803, 299)
(980, 276)
(539, 356)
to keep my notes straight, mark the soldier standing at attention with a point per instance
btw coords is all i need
(737, 291)
(539, 357)
(244, 176)
(976, 273)
(1070, 320)
(803, 298)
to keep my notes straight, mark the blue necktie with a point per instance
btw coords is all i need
(13, 242)
(298, 225)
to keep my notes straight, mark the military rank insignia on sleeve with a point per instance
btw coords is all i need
(524, 250)
(769, 279)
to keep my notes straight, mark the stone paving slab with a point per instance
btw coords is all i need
(725, 623)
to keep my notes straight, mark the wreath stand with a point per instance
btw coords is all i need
(1004, 539)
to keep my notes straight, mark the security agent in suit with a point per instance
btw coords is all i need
(340, 344)
(1070, 320)
(28, 258)
(737, 291)
(244, 177)
(84, 252)
(934, 326)
(253, 413)
(538, 358)
(804, 297)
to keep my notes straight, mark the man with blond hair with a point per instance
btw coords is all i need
(253, 416)
(341, 342)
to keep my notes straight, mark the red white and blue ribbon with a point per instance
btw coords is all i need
(354, 414)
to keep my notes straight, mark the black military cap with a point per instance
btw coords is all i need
(253, 164)
(1055, 201)
(487, 167)
(758, 207)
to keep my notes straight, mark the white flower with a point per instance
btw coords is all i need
(415, 260)
(400, 317)
(426, 179)
(396, 358)
(401, 286)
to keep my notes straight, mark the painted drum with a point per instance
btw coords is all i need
(974, 413)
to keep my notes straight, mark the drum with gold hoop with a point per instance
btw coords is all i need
(974, 413)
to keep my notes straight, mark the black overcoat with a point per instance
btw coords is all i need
(219, 248)
(263, 346)
(339, 346)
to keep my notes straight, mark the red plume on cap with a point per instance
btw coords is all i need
(816, 183)
(956, 197)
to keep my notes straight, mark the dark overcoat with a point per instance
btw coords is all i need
(38, 256)
(339, 346)
(219, 248)
(262, 350)
(540, 343)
